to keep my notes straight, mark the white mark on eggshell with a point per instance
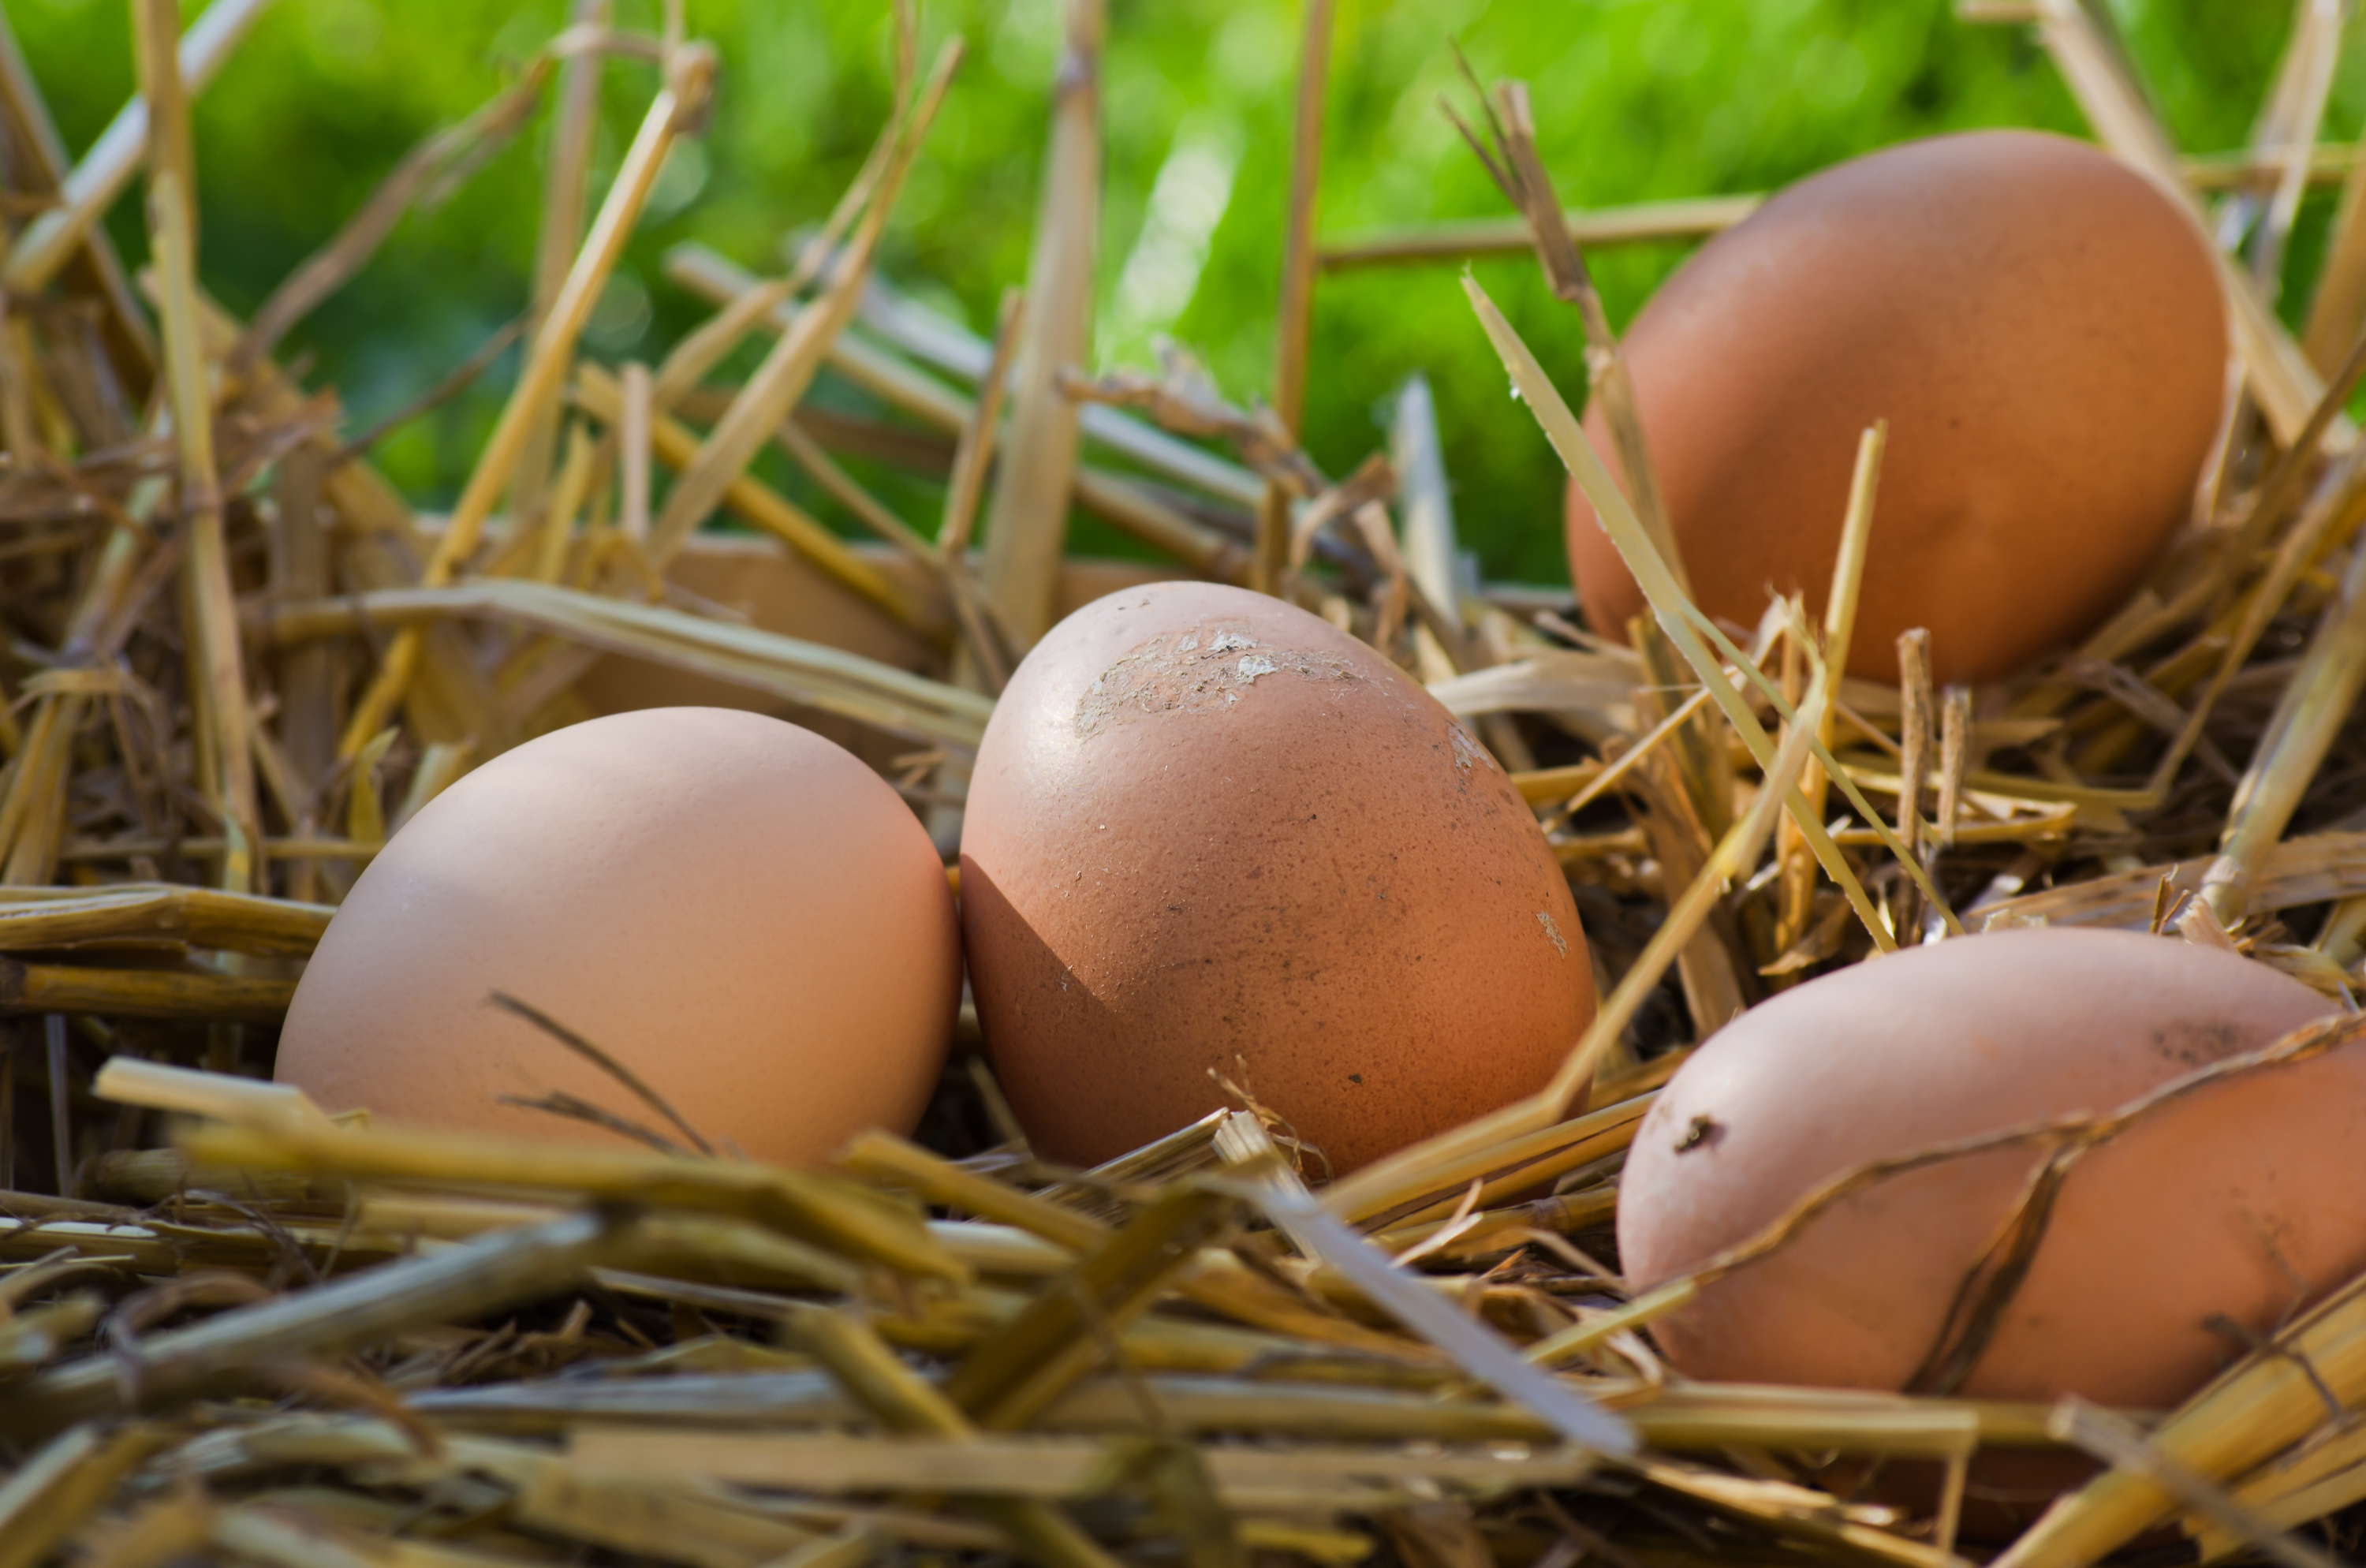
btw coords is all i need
(1186, 672)
(1466, 750)
(1560, 944)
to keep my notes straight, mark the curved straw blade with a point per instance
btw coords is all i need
(604, 1062)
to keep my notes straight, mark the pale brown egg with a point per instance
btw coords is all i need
(1211, 831)
(736, 908)
(2235, 1200)
(2043, 330)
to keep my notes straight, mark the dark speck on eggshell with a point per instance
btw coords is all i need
(2236, 1199)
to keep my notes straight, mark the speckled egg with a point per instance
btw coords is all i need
(1211, 833)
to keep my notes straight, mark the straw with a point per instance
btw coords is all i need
(42, 166)
(1244, 1145)
(679, 448)
(181, 1364)
(52, 239)
(2338, 309)
(391, 1345)
(2298, 737)
(1518, 170)
(565, 179)
(1677, 617)
(539, 383)
(2122, 1445)
(777, 385)
(2267, 1401)
(2286, 133)
(937, 341)
(65, 1481)
(1696, 217)
(1123, 504)
(172, 219)
(1294, 309)
(1027, 518)
(809, 673)
(1799, 876)
(2282, 379)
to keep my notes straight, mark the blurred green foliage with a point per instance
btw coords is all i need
(1635, 99)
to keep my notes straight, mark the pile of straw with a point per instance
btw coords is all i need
(235, 1329)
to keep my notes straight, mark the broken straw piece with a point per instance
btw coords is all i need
(1242, 1142)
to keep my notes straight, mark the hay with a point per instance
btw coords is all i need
(240, 1330)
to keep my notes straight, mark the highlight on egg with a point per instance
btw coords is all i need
(2043, 330)
(739, 911)
(1217, 849)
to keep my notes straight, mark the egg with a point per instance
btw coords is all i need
(2043, 330)
(2235, 1199)
(735, 908)
(1211, 834)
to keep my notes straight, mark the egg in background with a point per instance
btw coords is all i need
(2045, 333)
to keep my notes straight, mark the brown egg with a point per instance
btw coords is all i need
(1208, 830)
(2234, 1199)
(2044, 332)
(733, 907)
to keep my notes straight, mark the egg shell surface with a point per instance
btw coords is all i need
(1208, 830)
(2229, 1198)
(737, 909)
(2045, 332)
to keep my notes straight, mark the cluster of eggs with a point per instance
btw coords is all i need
(1208, 834)
(1215, 847)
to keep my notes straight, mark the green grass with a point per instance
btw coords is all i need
(1635, 99)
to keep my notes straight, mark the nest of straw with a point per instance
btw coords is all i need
(235, 1329)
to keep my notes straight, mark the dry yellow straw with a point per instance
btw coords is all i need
(1839, 630)
(1381, 1186)
(1678, 617)
(172, 201)
(51, 240)
(2283, 380)
(692, 72)
(2261, 1405)
(1027, 517)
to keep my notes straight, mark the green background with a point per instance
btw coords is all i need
(1635, 100)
